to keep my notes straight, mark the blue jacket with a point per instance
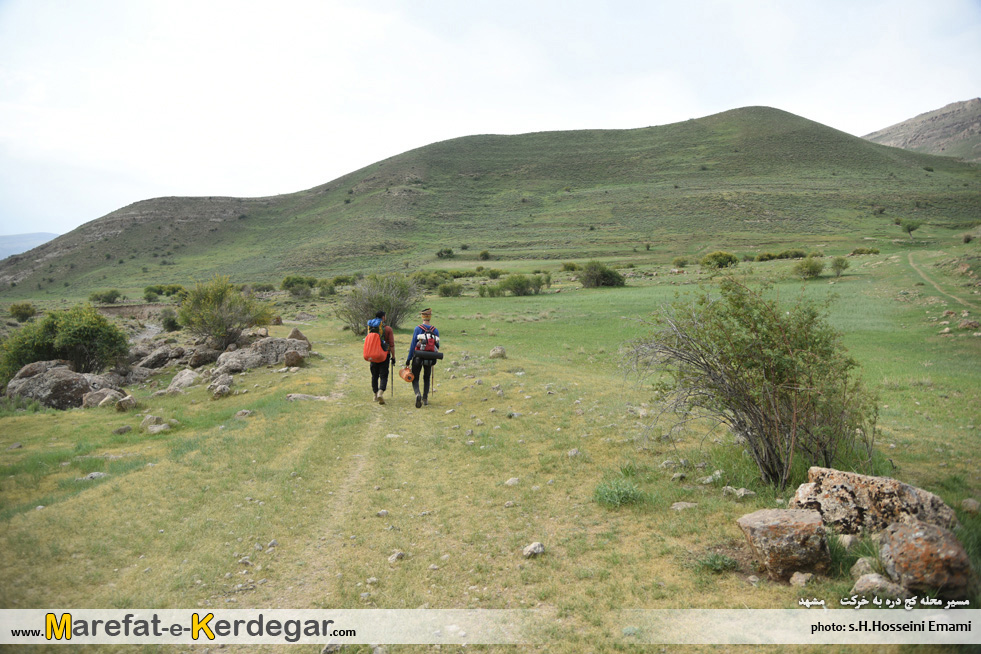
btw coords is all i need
(415, 335)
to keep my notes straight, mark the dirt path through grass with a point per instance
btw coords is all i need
(934, 284)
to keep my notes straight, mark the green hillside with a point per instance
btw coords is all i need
(746, 180)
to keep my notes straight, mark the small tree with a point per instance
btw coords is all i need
(395, 294)
(105, 297)
(780, 379)
(22, 311)
(594, 274)
(910, 226)
(298, 286)
(839, 265)
(217, 310)
(809, 268)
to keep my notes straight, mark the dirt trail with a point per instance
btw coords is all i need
(934, 284)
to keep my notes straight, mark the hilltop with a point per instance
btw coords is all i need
(746, 179)
(953, 131)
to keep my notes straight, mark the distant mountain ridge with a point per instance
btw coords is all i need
(953, 131)
(745, 180)
(17, 243)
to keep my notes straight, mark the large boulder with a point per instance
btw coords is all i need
(156, 359)
(853, 503)
(926, 559)
(264, 352)
(182, 380)
(96, 398)
(203, 355)
(54, 384)
(786, 541)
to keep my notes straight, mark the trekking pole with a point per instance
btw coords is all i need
(392, 376)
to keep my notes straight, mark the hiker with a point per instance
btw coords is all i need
(425, 338)
(379, 369)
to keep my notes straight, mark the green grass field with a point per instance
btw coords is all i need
(170, 524)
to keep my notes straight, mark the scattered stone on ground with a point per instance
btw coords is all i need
(533, 550)
(785, 541)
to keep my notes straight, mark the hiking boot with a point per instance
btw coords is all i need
(418, 401)
(376, 396)
(381, 397)
(425, 400)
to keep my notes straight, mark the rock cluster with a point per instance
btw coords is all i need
(918, 552)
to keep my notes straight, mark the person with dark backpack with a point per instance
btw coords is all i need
(423, 351)
(379, 347)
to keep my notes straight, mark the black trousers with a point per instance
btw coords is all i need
(379, 376)
(427, 375)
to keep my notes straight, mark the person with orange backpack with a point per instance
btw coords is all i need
(379, 346)
(423, 354)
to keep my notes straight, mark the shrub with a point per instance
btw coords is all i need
(218, 311)
(859, 251)
(168, 319)
(717, 563)
(150, 296)
(165, 289)
(570, 266)
(839, 265)
(792, 254)
(968, 238)
(326, 287)
(445, 252)
(719, 260)
(679, 262)
(484, 255)
(22, 311)
(450, 290)
(594, 274)
(809, 268)
(765, 256)
(779, 379)
(395, 294)
(298, 286)
(517, 284)
(910, 226)
(105, 297)
(431, 280)
(81, 335)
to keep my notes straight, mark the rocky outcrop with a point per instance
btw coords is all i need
(926, 559)
(182, 380)
(265, 352)
(54, 384)
(853, 503)
(101, 397)
(786, 541)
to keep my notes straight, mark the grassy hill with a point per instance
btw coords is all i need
(746, 180)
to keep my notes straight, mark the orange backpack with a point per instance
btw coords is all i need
(374, 347)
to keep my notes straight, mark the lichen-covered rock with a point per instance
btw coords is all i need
(292, 359)
(853, 503)
(203, 355)
(498, 352)
(264, 352)
(54, 384)
(925, 558)
(786, 541)
(157, 358)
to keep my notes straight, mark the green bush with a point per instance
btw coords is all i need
(570, 266)
(445, 252)
(485, 255)
(595, 274)
(219, 312)
(451, 289)
(105, 297)
(150, 296)
(168, 319)
(22, 311)
(431, 279)
(298, 286)
(395, 294)
(719, 260)
(517, 284)
(765, 256)
(165, 289)
(679, 262)
(777, 377)
(859, 251)
(809, 268)
(792, 254)
(81, 335)
(326, 287)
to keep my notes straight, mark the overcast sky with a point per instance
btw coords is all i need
(107, 102)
